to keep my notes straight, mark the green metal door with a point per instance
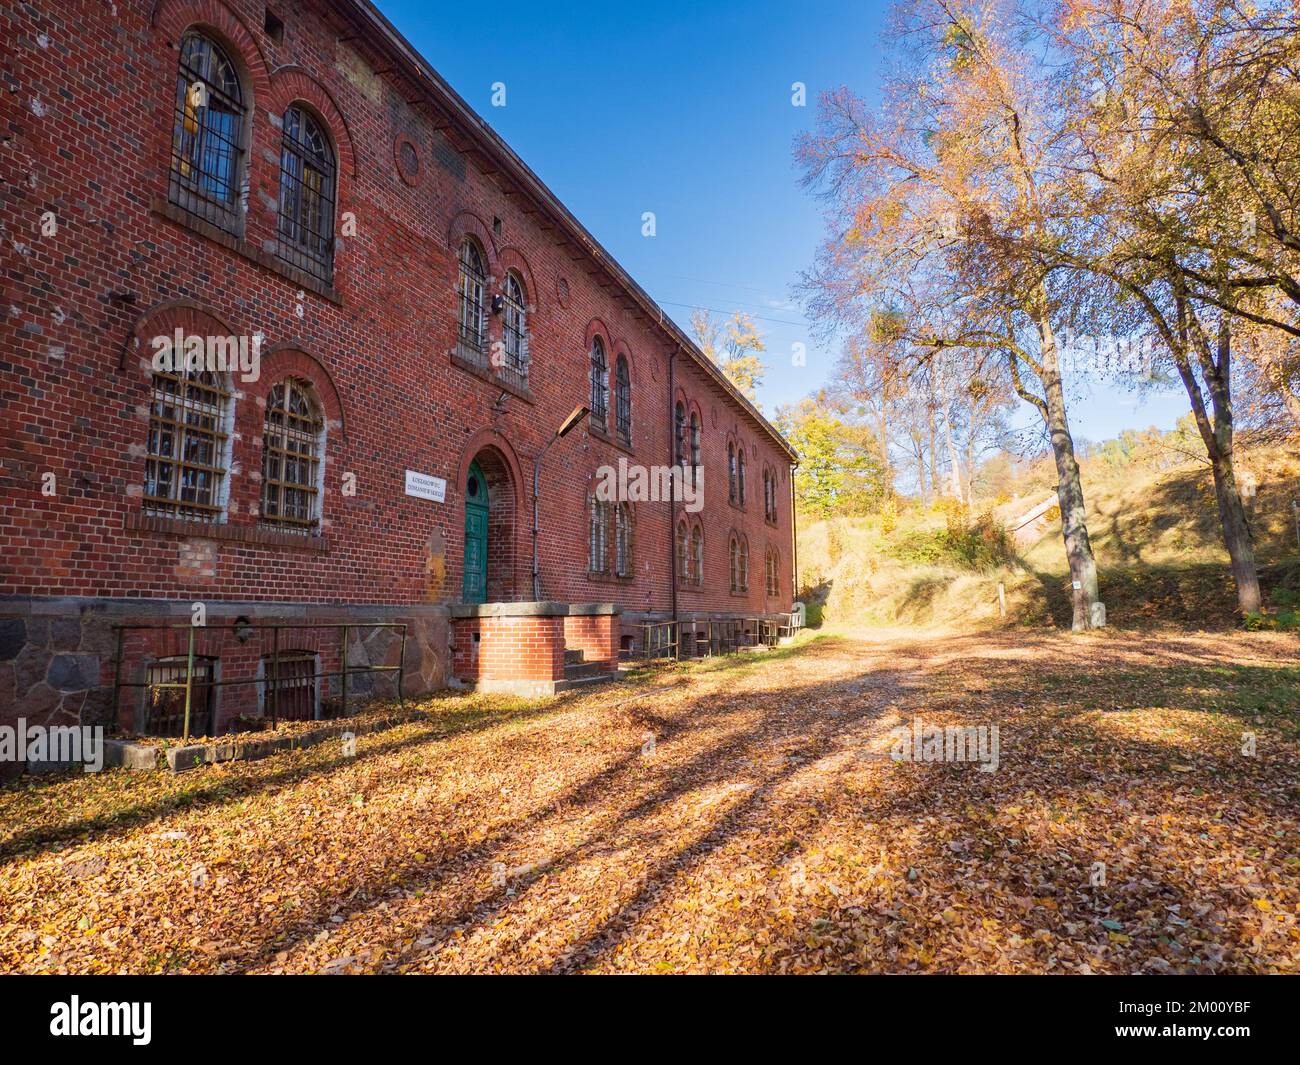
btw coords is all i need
(476, 529)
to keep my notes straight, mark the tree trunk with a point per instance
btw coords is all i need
(1069, 491)
(1218, 439)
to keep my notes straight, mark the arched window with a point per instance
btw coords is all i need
(769, 494)
(733, 555)
(740, 476)
(695, 439)
(731, 473)
(470, 288)
(598, 537)
(679, 433)
(744, 565)
(697, 555)
(514, 328)
(186, 462)
(623, 540)
(208, 133)
(306, 194)
(623, 399)
(773, 573)
(599, 378)
(683, 556)
(291, 456)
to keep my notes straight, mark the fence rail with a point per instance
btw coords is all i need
(714, 636)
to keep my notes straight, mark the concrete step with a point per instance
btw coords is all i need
(572, 658)
(576, 670)
(578, 682)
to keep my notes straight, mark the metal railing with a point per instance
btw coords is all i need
(195, 648)
(713, 636)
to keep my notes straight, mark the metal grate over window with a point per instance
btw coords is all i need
(208, 134)
(697, 555)
(307, 175)
(623, 399)
(472, 284)
(291, 437)
(185, 462)
(515, 330)
(623, 541)
(599, 383)
(598, 561)
(164, 706)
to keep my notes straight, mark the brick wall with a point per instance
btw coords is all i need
(88, 113)
(597, 637)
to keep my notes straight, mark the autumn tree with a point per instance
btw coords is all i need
(961, 152)
(840, 469)
(734, 345)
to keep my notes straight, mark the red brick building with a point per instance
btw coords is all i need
(422, 315)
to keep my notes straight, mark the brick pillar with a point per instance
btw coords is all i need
(515, 648)
(596, 635)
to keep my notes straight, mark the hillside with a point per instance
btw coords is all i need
(1155, 533)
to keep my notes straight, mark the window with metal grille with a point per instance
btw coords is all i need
(733, 553)
(695, 439)
(306, 227)
(472, 338)
(740, 476)
(185, 465)
(291, 454)
(515, 329)
(623, 399)
(744, 565)
(773, 573)
(599, 383)
(289, 685)
(731, 473)
(697, 555)
(207, 134)
(683, 556)
(599, 537)
(164, 705)
(623, 540)
(679, 434)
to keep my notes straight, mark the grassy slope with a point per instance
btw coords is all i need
(1156, 537)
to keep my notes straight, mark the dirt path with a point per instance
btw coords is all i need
(737, 815)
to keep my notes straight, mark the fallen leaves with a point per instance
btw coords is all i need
(769, 831)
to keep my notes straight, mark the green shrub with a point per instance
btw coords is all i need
(978, 545)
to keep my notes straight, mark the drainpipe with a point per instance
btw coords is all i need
(570, 423)
(794, 540)
(672, 499)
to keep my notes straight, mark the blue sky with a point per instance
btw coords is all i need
(685, 110)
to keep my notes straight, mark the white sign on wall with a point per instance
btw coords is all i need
(422, 486)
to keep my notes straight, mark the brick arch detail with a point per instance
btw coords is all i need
(162, 319)
(597, 328)
(290, 84)
(467, 223)
(509, 528)
(511, 258)
(288, 359)
(173, 17)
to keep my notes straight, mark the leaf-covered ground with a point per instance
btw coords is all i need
(737, 815)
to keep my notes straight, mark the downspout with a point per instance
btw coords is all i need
(794, 540)
(672, 463)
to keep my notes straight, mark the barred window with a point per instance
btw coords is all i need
(679, 434)
(599, 383)
(515, 328)
(599, 537)
(739, 564)
(470, 288)
(695, 439)
(740, 476)
(623, 399)
(731, 473)
(185, 467)
(773, 573)
(683, 552)
(697, 555)
(291, 449)
(623, 540)
(306, 195)
(207, 133)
